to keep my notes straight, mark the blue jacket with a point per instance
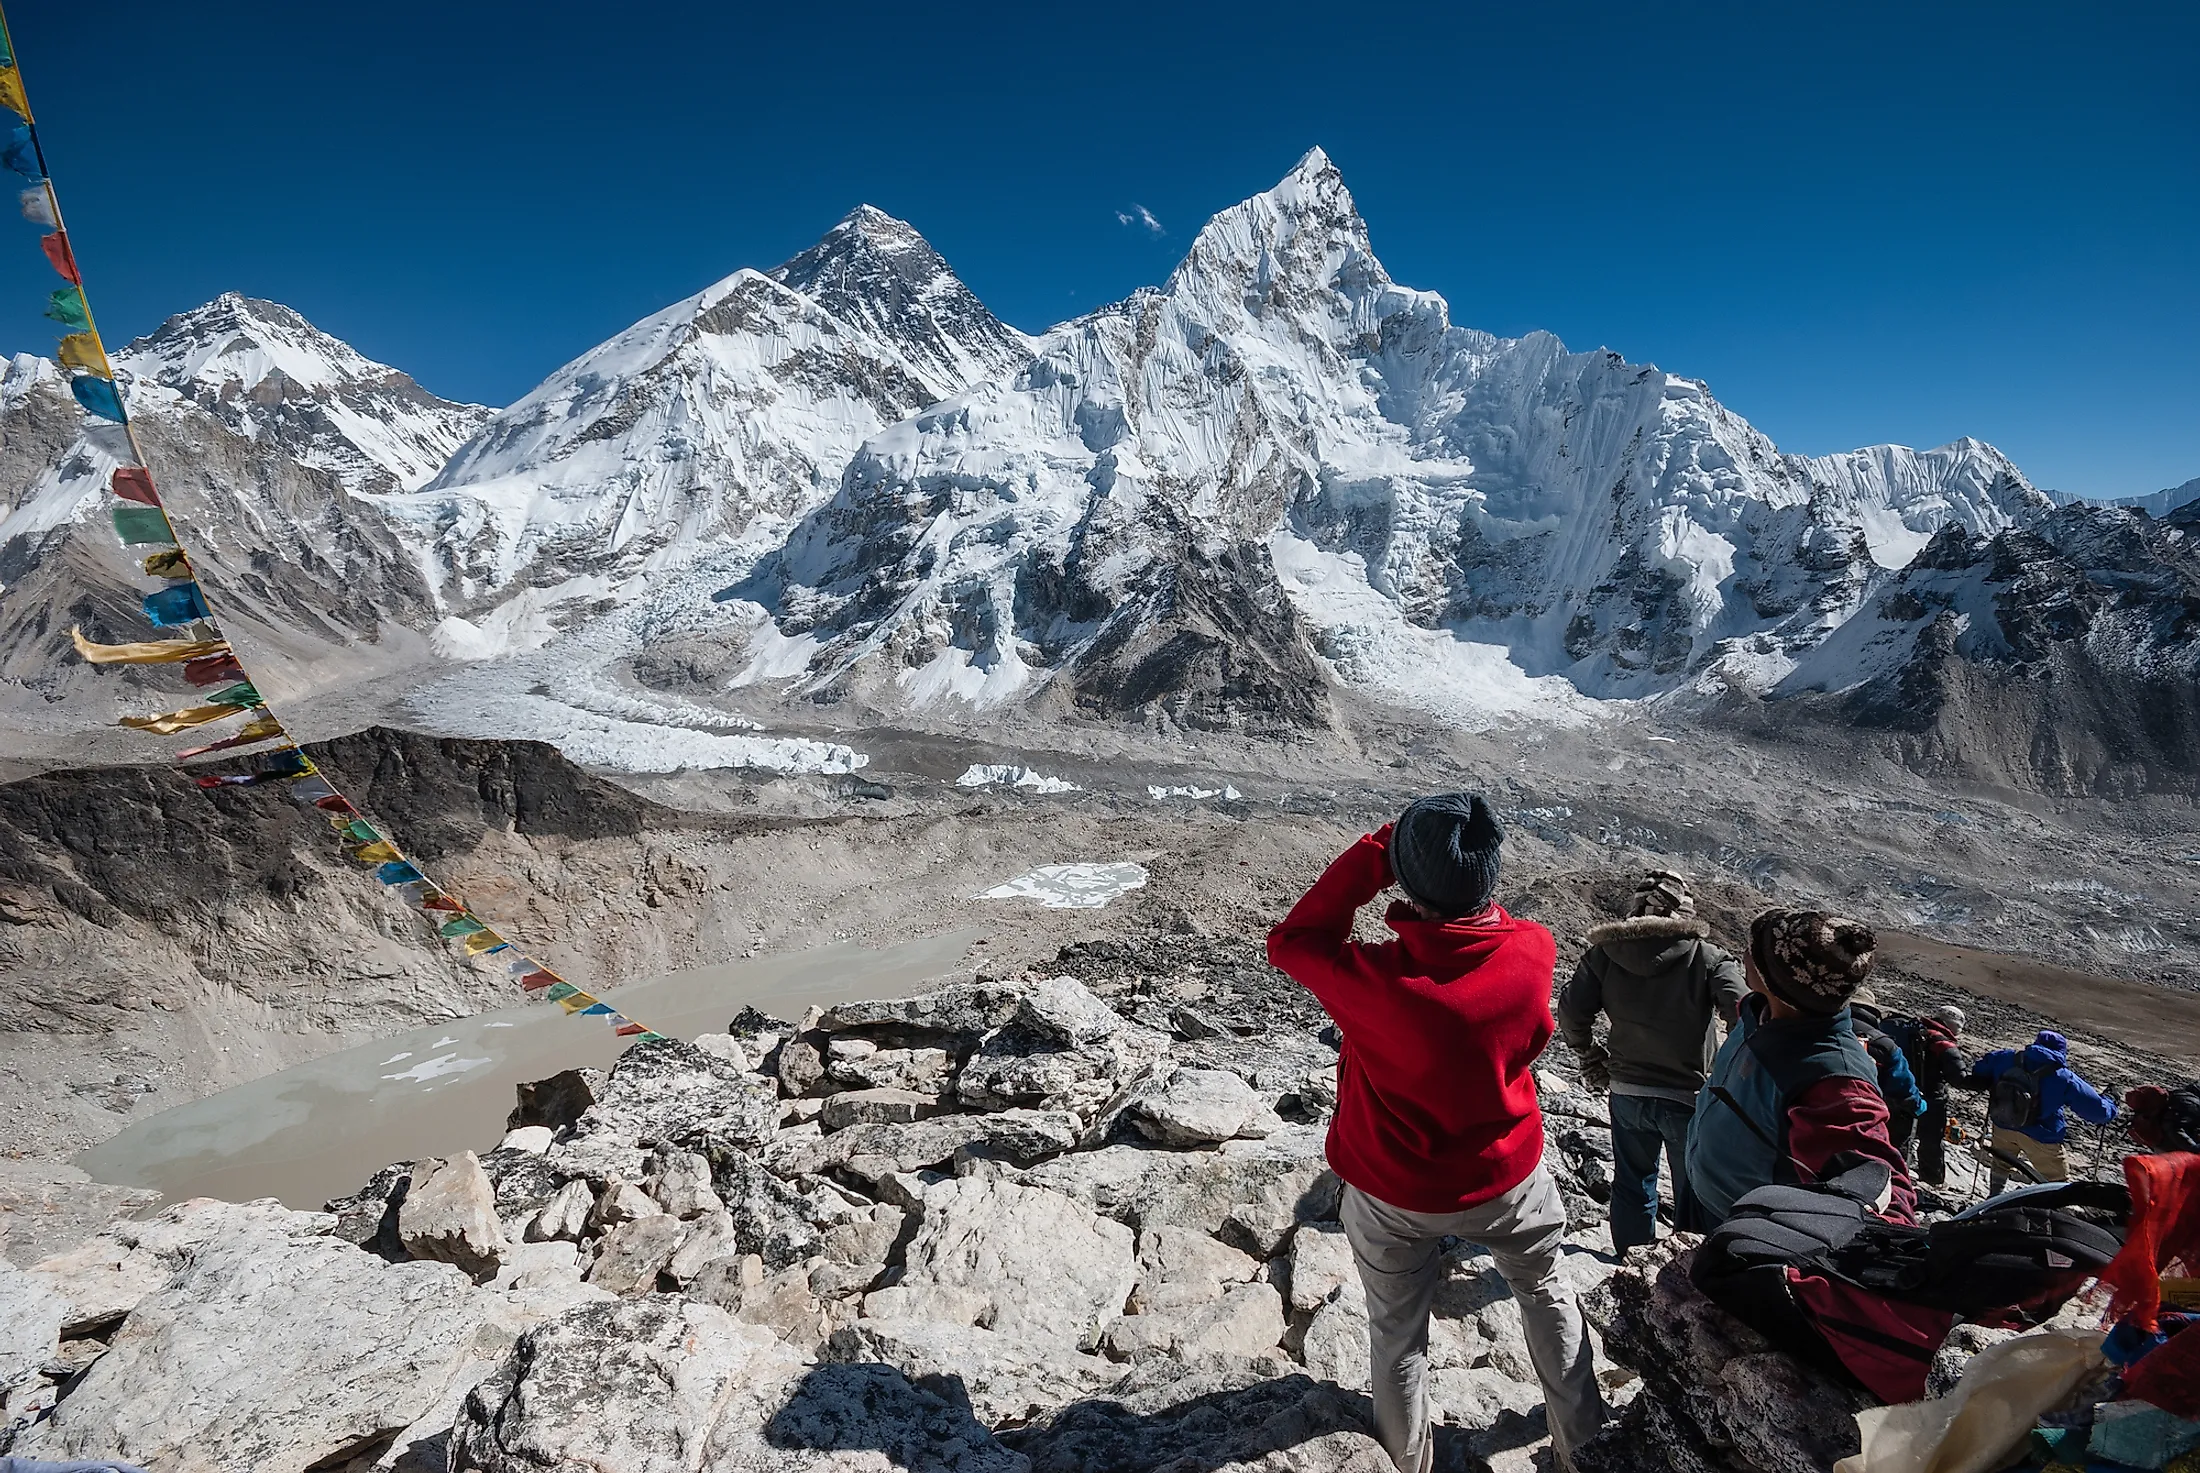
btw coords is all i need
(1738, 1139)
(2061, 1092)
(1897, 1085)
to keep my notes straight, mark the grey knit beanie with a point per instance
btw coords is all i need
(1443, 851)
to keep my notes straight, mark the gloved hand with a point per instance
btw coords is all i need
(1596, 1072)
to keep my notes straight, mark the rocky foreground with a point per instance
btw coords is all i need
(1040, 1224)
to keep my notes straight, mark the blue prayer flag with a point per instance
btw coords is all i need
(397, 872)
(179, 604)
(19, 154)
(597, 1010)
(99, 396)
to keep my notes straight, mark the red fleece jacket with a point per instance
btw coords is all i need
(1436, 1105)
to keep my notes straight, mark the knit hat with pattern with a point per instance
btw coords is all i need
(1809, 959)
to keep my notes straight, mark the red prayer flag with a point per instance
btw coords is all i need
(56, 247)
(213, 670)
(336, 803)
(444, 902)
(135, 483)
(2164, 1229)
(536, 981)
(629, 1029)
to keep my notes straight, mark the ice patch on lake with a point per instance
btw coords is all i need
(1071, 886)
(437, 1067)
(987, 775)
(1161, 794)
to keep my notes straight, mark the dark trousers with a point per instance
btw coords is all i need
(1932, 1141)
(1642, 1126)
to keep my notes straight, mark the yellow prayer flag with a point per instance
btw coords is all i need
(169, 564)
(11, 93)
(381, 851)
(169, 723)
(479, 942)
(259, 729)
(83, 350)
(576, 1002)
(152, 652)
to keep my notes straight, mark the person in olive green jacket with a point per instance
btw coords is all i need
(1661, 982)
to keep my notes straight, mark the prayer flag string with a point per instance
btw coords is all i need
(207, 659)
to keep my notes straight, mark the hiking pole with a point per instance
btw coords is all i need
(2008, 1158)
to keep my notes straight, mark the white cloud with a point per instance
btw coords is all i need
(1142, 217)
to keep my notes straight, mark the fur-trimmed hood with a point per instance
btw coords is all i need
(1649, 928)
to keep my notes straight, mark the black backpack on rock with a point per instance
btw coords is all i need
(1814, 1271)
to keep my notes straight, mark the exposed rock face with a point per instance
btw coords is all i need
(269, 442)
(450, 1217)
(656, 1385)
(31, 1317)
(984, 1289)
(667, 1093)
(2063, 656)
(1197, 1107)
(634, 1253)
(1715, 1395)
(1048, 1269)
(270, 1353)
(743, 401)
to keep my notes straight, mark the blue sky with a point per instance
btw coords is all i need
(1858, 223)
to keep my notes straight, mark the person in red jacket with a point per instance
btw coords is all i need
(1437, 1132)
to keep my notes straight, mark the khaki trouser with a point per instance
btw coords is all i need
(2049, 1160)
(1400, 1257)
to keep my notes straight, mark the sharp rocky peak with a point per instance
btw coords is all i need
(879, 273)
(867, 250)
(1305, 233)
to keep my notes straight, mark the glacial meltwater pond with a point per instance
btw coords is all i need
(320, 1129)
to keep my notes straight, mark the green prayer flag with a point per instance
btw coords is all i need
(240, 696)
(139, 525)
(559, 991)
(360, 831)
(66, 307)
(461, 926)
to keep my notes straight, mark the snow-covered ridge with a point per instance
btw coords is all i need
(2156, 504)
(265, 371)
(739, 405)
(1213, 503)
(1439, 515)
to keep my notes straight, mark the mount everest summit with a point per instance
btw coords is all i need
(1275, 478)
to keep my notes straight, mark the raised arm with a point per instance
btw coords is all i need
(1312, 945)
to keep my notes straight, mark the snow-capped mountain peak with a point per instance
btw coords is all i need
(1281, 453)
(877, 273)
(265, 371)
(735, 408)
